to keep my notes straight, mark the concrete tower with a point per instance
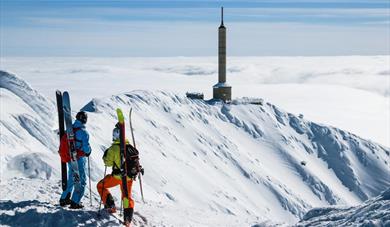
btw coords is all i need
(222, 90)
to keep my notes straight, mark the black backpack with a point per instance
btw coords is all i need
(132, 161)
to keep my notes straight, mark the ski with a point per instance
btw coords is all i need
(71, 140)
(122, 144)
(61, 132)
(132, 136)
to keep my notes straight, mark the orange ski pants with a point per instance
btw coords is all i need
(111, 181)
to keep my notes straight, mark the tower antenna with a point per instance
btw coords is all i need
(221, 16)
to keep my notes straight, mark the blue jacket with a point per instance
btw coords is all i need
(82, 137)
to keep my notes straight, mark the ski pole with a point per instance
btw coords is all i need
(101, 197)
(89, 176)
(133, 137)
(131, 128)
(140, 187)
(121, 206)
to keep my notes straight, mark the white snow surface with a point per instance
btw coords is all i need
(206, 163)
(40, 209)
(26, 121)
(374, 212)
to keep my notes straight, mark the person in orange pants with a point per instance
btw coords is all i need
(111, 158)
(111, 181)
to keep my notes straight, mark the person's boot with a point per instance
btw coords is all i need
(66, 201)
(128, 216)
(74, 205)
(68, 196)
(110, 204)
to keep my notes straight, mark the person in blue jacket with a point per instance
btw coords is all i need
(83, 151)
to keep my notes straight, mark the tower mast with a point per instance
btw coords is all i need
(221, 90)
(222, 16)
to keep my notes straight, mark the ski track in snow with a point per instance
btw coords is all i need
(207, 164)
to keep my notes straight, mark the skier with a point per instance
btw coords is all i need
(83, 150)
(111, 158)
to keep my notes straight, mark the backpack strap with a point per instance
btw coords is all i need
(80, 153)
(74, 132)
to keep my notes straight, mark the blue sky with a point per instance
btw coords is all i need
(188, 28)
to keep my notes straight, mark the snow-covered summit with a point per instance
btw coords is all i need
(243, 160)
(206, 163)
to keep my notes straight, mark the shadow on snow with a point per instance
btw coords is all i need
(36, 213)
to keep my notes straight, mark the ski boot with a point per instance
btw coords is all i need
(109, 206)
(74, 205)
(128, 216)
(66, 201)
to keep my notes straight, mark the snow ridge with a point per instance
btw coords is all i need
(241, 164)
(28, 142)
(258, 148)
(41, 106)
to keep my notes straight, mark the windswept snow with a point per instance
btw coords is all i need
(244, 160)
(28, 141)
(206, 163)
(39, 104)
(374, 212)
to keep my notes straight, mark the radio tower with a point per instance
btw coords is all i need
(222, 90)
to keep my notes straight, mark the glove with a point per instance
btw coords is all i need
(141, 170)
(133, 171)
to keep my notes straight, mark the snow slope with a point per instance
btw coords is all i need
(374, 212)
(28, 143)
(245, 157)
(207, 164)
(29, 162)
